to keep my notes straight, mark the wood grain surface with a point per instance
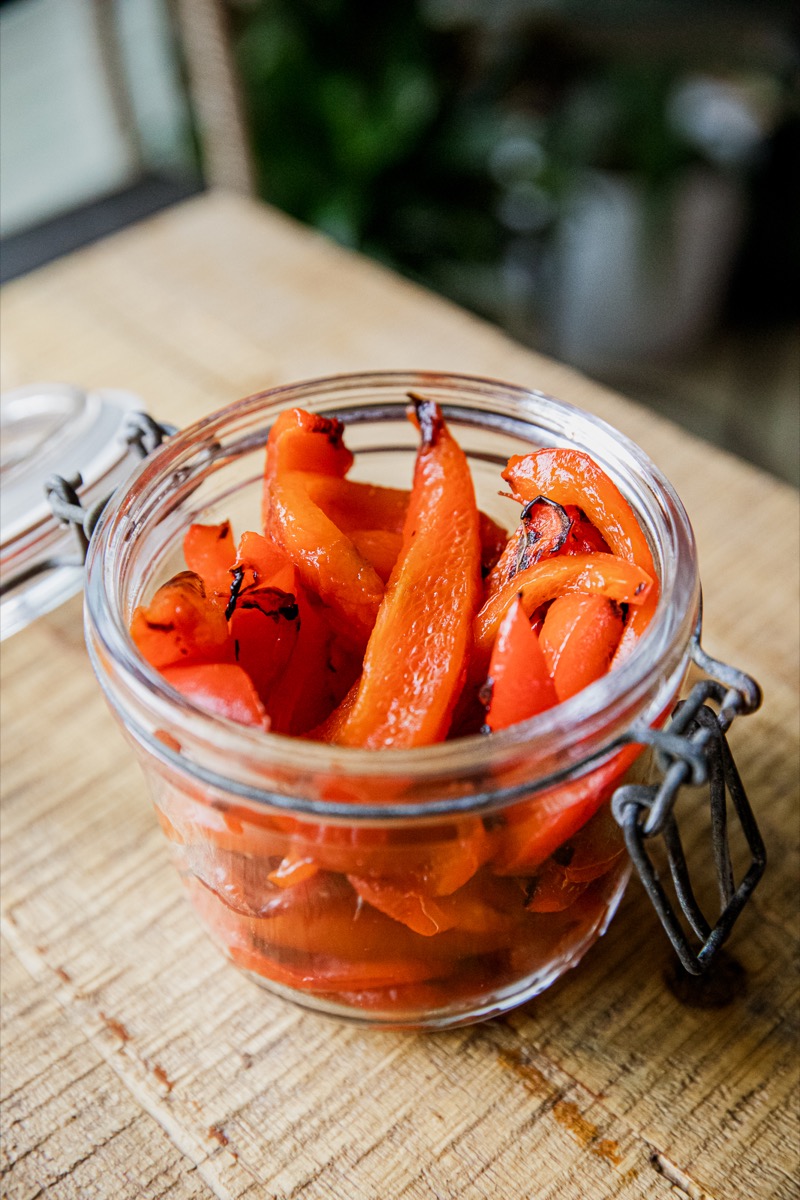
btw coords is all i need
(136, 1062)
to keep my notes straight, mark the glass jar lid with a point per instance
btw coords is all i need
(47, 429)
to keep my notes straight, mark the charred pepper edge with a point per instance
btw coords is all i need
(236, 585)
(331, 427)
(429, 418)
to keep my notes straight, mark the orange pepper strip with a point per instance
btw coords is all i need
(415, 660)
(352, 505)
(221, 688)
(595, 850)
(537, 827)
(579, 636)
(327, 560)
(552, 890)
(303, 441)
(291, 871)
(541, 533)
(613, 577)
(520, 683)
(464, 909)
(307, 689)
(358, 506)
(209, 551)
(258, 561)
(379, 547)
(181, 624)
(264, 626)
(572, 477)
(330, 975)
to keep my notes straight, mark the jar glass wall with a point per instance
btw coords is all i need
(420, 887)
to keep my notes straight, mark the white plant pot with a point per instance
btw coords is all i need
(637, 278)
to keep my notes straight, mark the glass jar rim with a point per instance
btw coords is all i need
(594, 721)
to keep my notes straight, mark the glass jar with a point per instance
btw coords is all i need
(423, 888)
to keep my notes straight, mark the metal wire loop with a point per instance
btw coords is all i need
(144, 435)
(694, 749)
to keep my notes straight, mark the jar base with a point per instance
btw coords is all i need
(466, 1013)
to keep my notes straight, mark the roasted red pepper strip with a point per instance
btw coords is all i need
(327, 560)
(572, 477)
(316, 675)
(264, 626)
(181, 624)
(329, 564)
(292, 871)
(415, 660)
(579, 636)
(551, 890)
(303, 441)
(222, 688)
(582, 538)
(542, 531)
(358, 506)
(601, 573)
(314, 927)
(465, 909)
(258, 561)
(209, 552)
(518, 677)
(537, 827)
(379, 547)
(352, 505)
(595, 849)
(329, 976)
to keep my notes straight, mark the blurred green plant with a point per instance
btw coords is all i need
(362, 126)
(452, 152)
(618, 119)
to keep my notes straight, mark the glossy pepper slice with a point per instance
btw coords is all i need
(264, 625)
(537, 827)
(258, 562)
(466, 909)
(209, 551)
(379, 547)
(551, 890)
(328, 562)
(318, 673)
(543, 529)
(572, 477)
(222, 688)
(605, 574)
(519, 681)
(313, 934)
(181, 624)
(595, 849)
(582, 538)
(415, 660)
(578, 638)
(355, 506)
(303, 441)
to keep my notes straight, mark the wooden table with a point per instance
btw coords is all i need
(136, 1062)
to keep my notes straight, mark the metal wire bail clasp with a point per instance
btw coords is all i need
(694, 749)
(143, 435)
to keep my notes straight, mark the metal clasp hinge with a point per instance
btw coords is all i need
(694, 750)
(143, 435)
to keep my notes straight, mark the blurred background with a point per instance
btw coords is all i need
(616, 182)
